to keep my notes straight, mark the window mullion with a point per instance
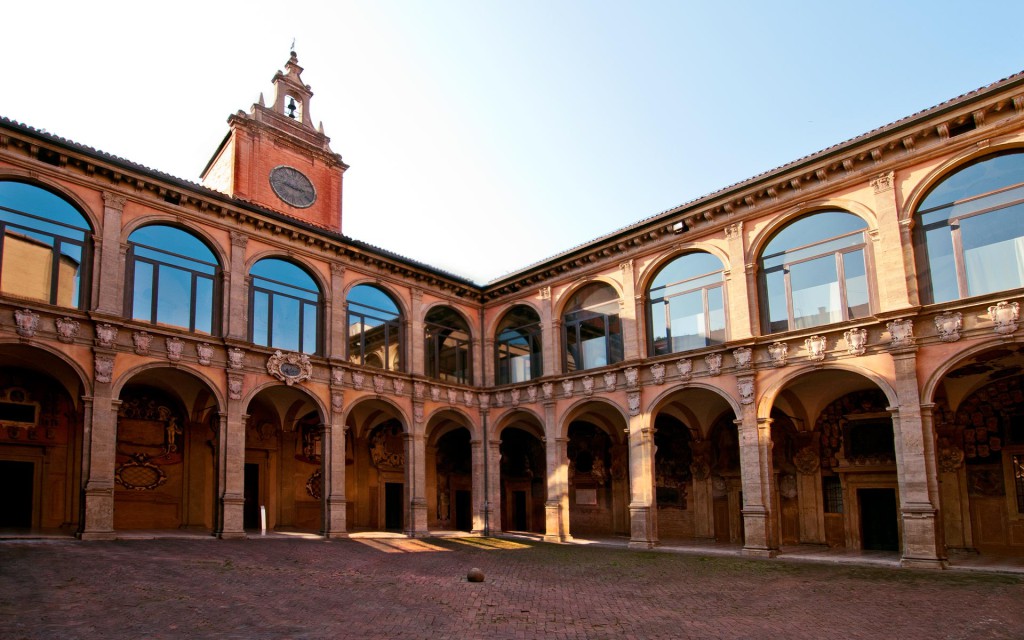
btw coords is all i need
(959, 263)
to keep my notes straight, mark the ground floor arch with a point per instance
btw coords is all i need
(284, 457)
(451, 501)
(834, 462)
(41, 440)
(697, 486)
(978, 415)
(523, 471)
(165, 452)
(597, 456)
(377, 485)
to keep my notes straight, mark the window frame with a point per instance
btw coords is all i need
(434, 346)
(392, 327)
(785, 267)
(84, 245)
(531, 332)
(664, 300)
(254, 288)
(576, 319)
(954, 224)
(132, 259)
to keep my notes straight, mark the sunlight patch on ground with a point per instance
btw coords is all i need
(399, 545)
(490, 543)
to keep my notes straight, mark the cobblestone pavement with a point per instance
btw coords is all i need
(399, 588)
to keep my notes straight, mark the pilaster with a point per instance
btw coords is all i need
(231, 468)
(111, 274)
(335, 503)
(759, 518)
(416, 481)
(642, 509)
(237, 297)
(98, 469)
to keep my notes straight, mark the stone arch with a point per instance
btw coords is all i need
(84, 379)
(492, 325)
(508, 419)
(127, 376)
(12, 174)
(188, 226)
(581, 408)
(667, 256)
(940, 172)
(659, 401)
(765, 235)
(322, 281)
(768, 396)
(397, 298)
(562, 299)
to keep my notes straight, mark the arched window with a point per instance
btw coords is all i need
(447, 346)
(284, 307)
(374, 328)
(591, 328)
(43, 246)
(517, 346)
(173, 279)
(972, 224)
(814, 272)
(686, 305)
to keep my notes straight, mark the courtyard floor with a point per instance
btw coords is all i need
(394, 587)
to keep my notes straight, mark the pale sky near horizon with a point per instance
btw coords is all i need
(484, 136)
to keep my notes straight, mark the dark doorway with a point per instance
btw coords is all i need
(16, 478)
(519, 513)
(393, 505)
(879, 529)
(463, 511)
(251, 510)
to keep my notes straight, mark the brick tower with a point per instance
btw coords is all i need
(274, 157)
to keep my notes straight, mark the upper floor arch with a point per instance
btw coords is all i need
(286, 305)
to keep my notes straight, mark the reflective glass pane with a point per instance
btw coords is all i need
(778, 312)
(174, 240)
(716, 315)
(260, 318)
(27, 270)
(993, 246)
(204, 305)
(659, 328)
(813, 229)
(174, 296)
(310, 322)
(941, 270)
(142, 295)
(815, 288)
(285, 330)
(856, 284)
(69, 274)
(983, 176)
(27, 198)
(688, 321)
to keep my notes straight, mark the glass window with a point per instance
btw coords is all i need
(285, 303)
(685, 305)
(43, 246)
(592, 331)
(374, 328)
(518, 347)
(447, 346)
(972, 225)
(814, 272)
(172, 279)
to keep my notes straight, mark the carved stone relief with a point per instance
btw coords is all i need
(67, 330)
(714, 363)
(26, 322)
(743, 357)
(856, 341)
(815, 346)
(175, 349)
(949, 325)
(1005, 316)
(290, 368)
(778, 353)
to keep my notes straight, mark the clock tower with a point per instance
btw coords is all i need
(275, 158)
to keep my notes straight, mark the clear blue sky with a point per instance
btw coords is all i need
(484, 136)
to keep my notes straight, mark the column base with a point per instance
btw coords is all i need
(232, 535)
(96, 535)
(923, 563)
(334, 535)
(750, 552)
(641, 545)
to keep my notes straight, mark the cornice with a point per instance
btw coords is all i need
(959, 123)
(44, 152)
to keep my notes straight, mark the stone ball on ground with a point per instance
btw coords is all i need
(475, 575)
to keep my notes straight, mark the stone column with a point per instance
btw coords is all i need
(110, 283)
(335, 504)
(479, 469)
(231, 463)
(556, 506)
(549, 335)
(628, 313)
(414, 336)
(643, 522)
(740, 284)
(100, 448)
(237, 298)
(336, 345)
(416, 483)
(894, 276)
(493, 504)
(759, 518)
(916, 470)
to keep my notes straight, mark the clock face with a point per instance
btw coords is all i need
(292, 186)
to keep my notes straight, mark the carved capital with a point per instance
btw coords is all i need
(113, 200)
(883, 182)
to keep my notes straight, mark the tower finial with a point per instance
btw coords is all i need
(292, 49)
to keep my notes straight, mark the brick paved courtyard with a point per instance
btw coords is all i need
(398, 588)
